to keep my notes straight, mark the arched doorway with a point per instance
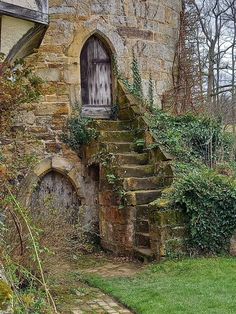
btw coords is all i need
(96, 79)
(55, 209)
(56, 193)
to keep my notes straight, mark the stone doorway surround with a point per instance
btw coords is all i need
(64, 166)
(84, 184)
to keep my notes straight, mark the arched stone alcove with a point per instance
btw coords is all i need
(55, 192)
(64, 186)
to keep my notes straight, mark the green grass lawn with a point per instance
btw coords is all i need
(188, 286)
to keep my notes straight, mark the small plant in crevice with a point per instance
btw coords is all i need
(79, 132)
(117, 184)
(135, 87)
(139, 145)
(108, 161)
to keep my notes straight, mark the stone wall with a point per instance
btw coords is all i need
(147, 27)
(150, 28)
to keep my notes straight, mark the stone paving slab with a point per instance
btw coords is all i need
(101, 304)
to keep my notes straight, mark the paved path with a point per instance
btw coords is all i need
(100, 304)
(76, 297)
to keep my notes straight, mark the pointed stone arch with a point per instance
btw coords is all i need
(108, 36)
(96, 78)
(58, 164)
(79, 184)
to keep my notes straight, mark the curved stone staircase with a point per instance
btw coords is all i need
(140, 181)
(144, 174)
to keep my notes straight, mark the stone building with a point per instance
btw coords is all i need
(22, 26)
(81, 39)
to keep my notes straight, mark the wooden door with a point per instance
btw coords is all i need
(96, 81)
(56, 194)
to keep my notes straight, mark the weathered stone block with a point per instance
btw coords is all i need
(61, 164)
(53, 147)
(133, 32)
(166, 217)
(54, 109)
(43, 167)
(109, 198)
(51, 75)
(114, 215)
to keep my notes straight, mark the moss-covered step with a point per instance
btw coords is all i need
(142, 212)
(142, 240)
(144, 254)
(109, 125)
(116, 136)
(132, 158)
(126, 171)
(142, 226)
(123, 147)
(146, 183)
(142, 197)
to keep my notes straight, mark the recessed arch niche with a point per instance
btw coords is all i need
(65, 189)
(56, 193)
(96, 78)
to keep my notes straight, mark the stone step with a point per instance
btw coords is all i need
(132, 158)
(110, 125)
(142, 226)
(142, 197)
(121, 147)
(96, 113)
(125, 112)
(126, 171)
(146, 183)
(143, 254)
(116, 136)
(142, 212)
(142, 239)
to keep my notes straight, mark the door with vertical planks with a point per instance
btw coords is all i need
(96, 81)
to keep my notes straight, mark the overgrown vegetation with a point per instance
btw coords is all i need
(18, 84)
(135, 86)
(21, 250)
(202, 154)
(22, 259)
(203, 158)
(110, 166)
(209, 201)
(79, 132)
(192, 137)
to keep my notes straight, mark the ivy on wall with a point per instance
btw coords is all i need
(205, 181)
(209, 201)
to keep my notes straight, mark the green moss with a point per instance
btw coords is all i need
(6, 295)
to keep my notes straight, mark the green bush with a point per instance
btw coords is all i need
(190, 137)
(209, 200)
(79, 132)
